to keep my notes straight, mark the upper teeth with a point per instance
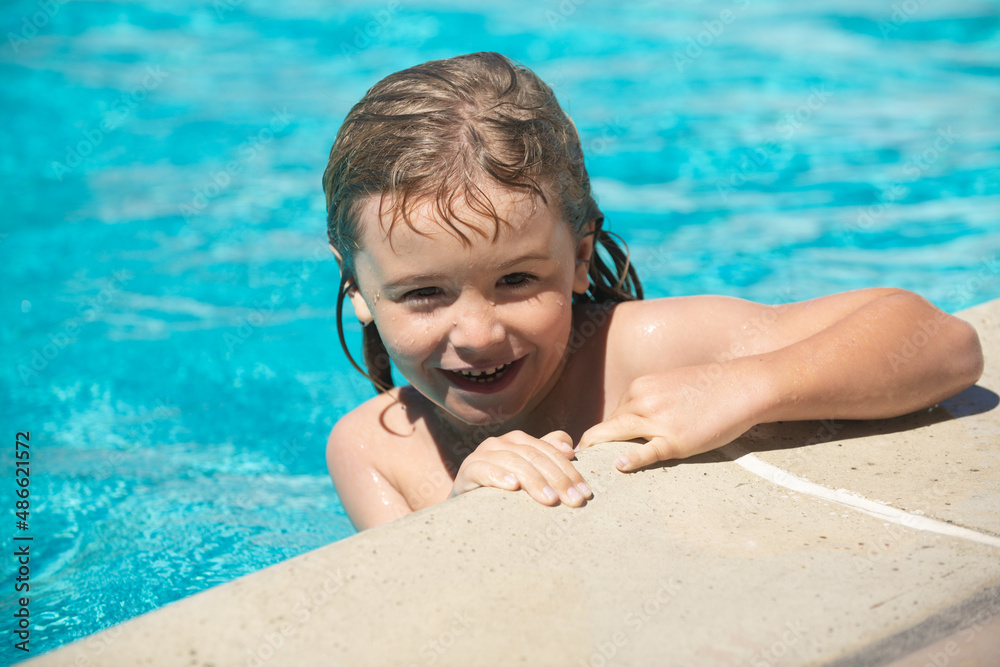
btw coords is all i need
(488, 371)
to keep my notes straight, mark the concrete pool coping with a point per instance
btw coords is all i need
(833, 543)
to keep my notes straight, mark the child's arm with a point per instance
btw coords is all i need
(515, 460)
(858, 355)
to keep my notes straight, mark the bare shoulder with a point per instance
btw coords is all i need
(359, 457)
(678, 311)
(355, 440)
(364, 435)
(659, 334)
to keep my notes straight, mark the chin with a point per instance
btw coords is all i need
(479, 416)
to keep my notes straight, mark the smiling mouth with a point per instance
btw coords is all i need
(486, 375)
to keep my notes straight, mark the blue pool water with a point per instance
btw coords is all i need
(169, 338)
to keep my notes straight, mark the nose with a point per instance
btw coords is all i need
(476, 324)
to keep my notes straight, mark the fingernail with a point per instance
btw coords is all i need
(550, 493)
(622, 463)
(574, 495)
(510, 479)
(584, 489)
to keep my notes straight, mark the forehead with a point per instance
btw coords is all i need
(488, 213)
(430, 246)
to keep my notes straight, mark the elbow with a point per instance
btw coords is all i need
(963, 363)
(959, 349)
(969, 361)
(956, 362)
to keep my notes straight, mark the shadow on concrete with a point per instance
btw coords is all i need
(712, 457)
(787, 435)
(973, 401)
(957, 620)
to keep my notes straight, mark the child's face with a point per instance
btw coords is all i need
(451, 314)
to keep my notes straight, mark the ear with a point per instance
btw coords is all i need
(361, 309)
(584, 251)
(337, 256)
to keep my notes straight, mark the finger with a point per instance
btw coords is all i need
(484, 473)
(534, 483)
(568, 492)
(541, 468)
(657, 449)
(552, 463)
(561, 441)
(537, 469)
(617, 427)
(559, 474)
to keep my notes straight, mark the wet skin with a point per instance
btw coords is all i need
(503, 382)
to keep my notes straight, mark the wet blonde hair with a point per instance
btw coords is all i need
(435, 133)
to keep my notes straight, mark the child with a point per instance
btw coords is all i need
(460, 213)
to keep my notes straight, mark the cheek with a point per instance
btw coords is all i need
(409, 338)
(548, 321)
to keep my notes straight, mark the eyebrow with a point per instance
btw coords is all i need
(530, 257)
(410, 280)
(434, 277)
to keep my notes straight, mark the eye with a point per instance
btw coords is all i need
(422, 294)
(518, 279)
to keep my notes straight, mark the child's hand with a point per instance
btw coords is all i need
(517, 460)
(680, 412)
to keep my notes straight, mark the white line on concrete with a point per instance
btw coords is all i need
(854, 501)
